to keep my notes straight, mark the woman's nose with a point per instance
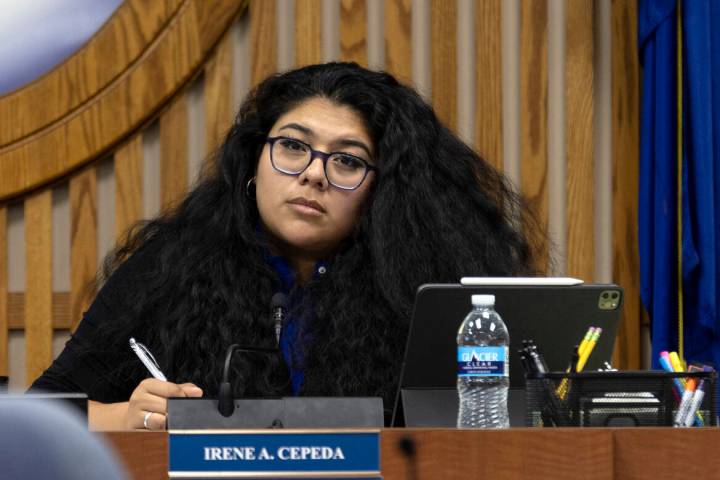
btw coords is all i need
(315, 173)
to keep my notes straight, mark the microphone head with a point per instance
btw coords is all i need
(279, 300)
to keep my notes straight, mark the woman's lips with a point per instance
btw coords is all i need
(304, 205)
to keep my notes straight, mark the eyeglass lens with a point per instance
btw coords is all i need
(342, 170)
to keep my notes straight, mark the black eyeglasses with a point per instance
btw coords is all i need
(342, 170)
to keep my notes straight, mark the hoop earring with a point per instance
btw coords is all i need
(248, 193)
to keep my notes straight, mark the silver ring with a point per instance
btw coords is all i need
(145, 420)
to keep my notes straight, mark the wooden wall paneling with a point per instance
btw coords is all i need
(218, 94)
(308, 32)
(488, 86)
(38, 288)
(626, 155)
(579, 107)
(263, 39)
(16, 310)
(533, 110)
(443, 40)
(353, 31)
(61, 319)
(60, 311)
(83, 243)
(134, 26)
(128, 185)
(126, 104)
(398, 47)
(174, 152)
(3, 293)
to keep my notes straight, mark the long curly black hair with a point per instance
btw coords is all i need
(436, 212)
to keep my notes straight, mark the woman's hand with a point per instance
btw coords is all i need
(147, 407)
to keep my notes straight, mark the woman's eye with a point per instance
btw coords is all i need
(293, 145)
(347, 161)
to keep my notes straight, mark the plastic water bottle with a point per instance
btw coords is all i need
(483, 367)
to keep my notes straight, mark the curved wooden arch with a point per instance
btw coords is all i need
(51, 144)
(133, 27)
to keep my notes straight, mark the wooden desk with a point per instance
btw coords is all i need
(562, 453)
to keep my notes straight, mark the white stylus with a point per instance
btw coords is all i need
(520, 281)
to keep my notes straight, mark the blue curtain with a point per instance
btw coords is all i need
(701, 182)
(658, 158)
(700, 175)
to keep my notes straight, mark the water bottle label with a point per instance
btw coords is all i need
(482, 361)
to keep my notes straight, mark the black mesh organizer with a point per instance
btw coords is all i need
(613, 399)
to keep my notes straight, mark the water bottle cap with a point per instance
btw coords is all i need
(483, 300)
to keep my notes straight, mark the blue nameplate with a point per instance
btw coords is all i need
(274, 454)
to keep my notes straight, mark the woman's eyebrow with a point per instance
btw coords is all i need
(342, 142)
(347, 142)
(296, 126)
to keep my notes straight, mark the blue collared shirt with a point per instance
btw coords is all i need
(290, 335)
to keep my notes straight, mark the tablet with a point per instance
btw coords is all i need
(556, 317)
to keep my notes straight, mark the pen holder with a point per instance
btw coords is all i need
(615, 399)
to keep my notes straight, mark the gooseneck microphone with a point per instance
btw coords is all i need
(226, 401)
(277, 305)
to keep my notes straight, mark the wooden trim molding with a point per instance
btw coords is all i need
(626, 75)
(38, 283)
(353, 31)
(87, 131)
(3, 293)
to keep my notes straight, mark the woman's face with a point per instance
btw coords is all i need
(304, 215)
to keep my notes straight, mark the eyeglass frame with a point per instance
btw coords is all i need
(324, 156)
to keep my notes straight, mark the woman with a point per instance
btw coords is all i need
(337, 186)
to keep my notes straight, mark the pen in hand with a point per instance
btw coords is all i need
(147, 359)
